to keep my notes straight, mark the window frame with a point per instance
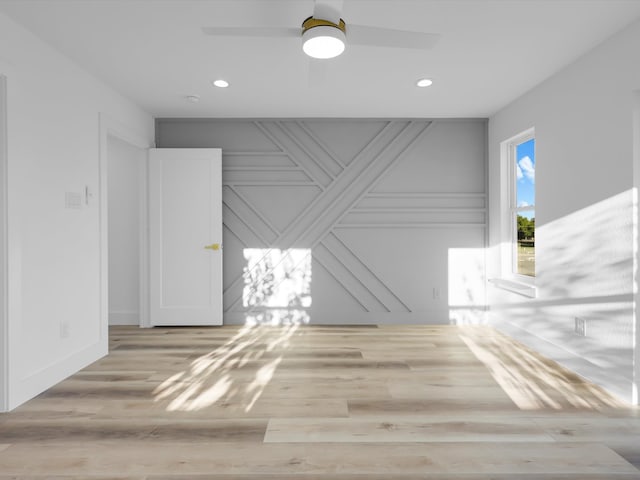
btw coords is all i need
(511, 210)
(513, 204)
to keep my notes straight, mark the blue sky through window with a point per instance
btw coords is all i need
(526, 176)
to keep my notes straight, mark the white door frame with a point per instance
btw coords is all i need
(4, 317)
(112, 128)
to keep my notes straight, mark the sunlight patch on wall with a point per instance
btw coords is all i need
(467, 279)
(277, 280)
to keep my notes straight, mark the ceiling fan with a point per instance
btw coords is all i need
(325, 34)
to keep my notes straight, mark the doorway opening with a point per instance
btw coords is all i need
(123, 152)
(125, 174)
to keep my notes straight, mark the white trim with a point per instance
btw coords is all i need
(524, 289)
(611, 381)
(4, 317)
(113, 128)
(143, 202)
(513, 204)
(433, 316)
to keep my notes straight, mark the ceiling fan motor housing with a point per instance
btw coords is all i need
(322, 38)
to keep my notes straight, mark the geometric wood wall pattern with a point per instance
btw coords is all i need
(339, 188)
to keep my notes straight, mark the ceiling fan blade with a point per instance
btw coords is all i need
(261, 32)
(328, 10)
(386, 37)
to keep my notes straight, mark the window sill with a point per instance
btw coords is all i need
(524, 289)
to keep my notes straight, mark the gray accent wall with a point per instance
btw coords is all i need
(339, 221)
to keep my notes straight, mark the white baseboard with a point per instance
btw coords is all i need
(616, 384)
(437, 316)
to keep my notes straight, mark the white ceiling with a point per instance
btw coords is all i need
(490, 52)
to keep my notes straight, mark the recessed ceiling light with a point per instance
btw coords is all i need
(424, 82)
(193, 98)
(221, 83)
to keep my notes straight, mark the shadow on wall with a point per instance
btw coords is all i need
(584, 276)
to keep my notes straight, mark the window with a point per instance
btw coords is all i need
(522, 165)
(517, 215)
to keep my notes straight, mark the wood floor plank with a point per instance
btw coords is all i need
(130, 458)
(153, 430)
(334, 476)
(403, 406)
(404, 430)
(73, 477)
(448, 392)
(427, 476)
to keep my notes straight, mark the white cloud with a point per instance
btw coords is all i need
(526, 167)
(519, 173)
(523, 204)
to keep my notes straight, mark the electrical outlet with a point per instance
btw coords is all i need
(436, 293)
(580, 327)
(64, 329)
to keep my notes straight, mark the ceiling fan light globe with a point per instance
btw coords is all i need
(323, 42)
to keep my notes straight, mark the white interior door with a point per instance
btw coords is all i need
(185, 235)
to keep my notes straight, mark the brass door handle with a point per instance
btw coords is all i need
(213, 246)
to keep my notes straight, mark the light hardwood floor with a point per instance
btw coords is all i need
(313, 402)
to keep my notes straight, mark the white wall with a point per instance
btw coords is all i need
(4, 344)
(636, 182)
(584, 213)
(125, 167)
(56, 325)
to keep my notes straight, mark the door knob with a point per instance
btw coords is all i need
(213, 246)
